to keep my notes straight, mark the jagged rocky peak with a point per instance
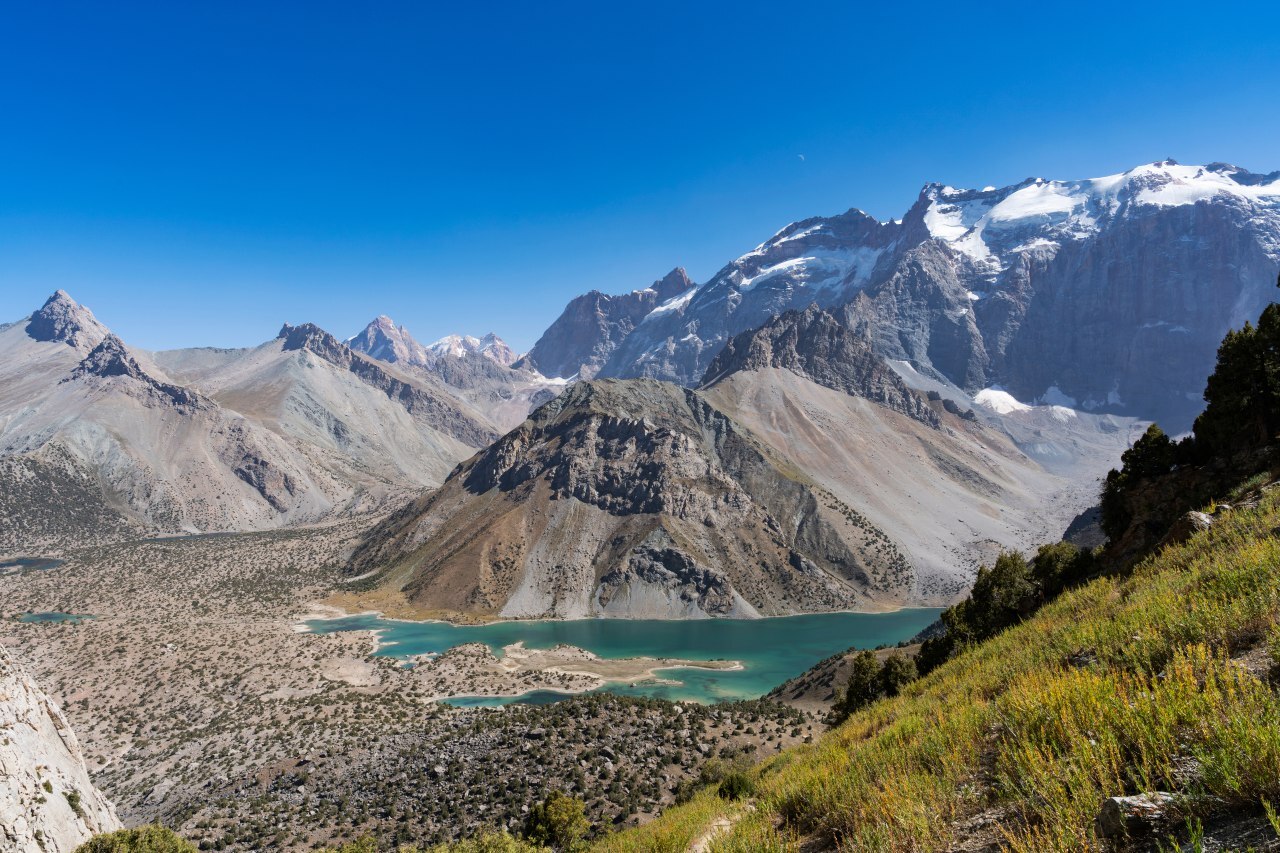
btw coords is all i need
(308, 336)
(48, 804)
(672, 284)
(594, 325)
(384, 340)
(63, 320)
(822, 347)
(111, 359)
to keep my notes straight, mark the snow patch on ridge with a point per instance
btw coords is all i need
(820, 268)
(988, 225)
(999, 401)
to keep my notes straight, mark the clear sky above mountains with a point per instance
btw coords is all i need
(199, 173)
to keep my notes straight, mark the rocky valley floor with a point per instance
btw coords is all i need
(200, 704)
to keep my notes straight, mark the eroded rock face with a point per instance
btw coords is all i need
(61, 319)
(1109, 294)
(110, 359)
(592, 326)
(48, 804)
(660, 578)
(623, 498)
(818, 346)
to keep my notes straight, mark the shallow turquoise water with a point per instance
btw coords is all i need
(29, 564)
(53, 617)
(770, 650)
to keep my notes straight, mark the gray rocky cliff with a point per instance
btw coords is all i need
(1108, 294)
(592, 326)
(819, 346)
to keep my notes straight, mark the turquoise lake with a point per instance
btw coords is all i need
(41, 618)
(29, 564)
(770, 650)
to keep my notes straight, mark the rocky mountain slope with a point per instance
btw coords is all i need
(374, 426)
(636, 499)
(592, 326)
(479, 371)
(48, 804)
(950, 480)
(817, 346)
(807, 474)
(1106, 295)
(98, 439)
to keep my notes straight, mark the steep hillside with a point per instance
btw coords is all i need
(370, 423)
(94, 443)
(949, 480)
(98, 440)
(633, 499)
(48, 804)
(919, 488)
(1108, 294)
(1155, 684)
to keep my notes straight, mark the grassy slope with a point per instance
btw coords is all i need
(1122, 686)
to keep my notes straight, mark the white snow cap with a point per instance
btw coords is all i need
(990, 224)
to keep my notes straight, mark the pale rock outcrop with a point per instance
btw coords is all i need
(48, 804)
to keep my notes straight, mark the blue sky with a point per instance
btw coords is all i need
(198, 173)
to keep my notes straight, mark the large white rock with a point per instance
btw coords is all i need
(43, 777)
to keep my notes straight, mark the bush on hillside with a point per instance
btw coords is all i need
(1243, 394)
(1004, 595)
(1060, 566)
(144, 839)
(559, 822)
(869, 680)
(1151, 455)
(896, 672)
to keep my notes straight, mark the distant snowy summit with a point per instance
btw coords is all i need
(994, 225)
(384, 340)
(490, 346)
(1109, 294)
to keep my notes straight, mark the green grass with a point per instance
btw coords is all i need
(1121, 686)
(679, 827)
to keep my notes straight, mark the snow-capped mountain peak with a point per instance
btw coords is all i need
(384, 340)
(1114, 290)
(991, 226)
(457, 346)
